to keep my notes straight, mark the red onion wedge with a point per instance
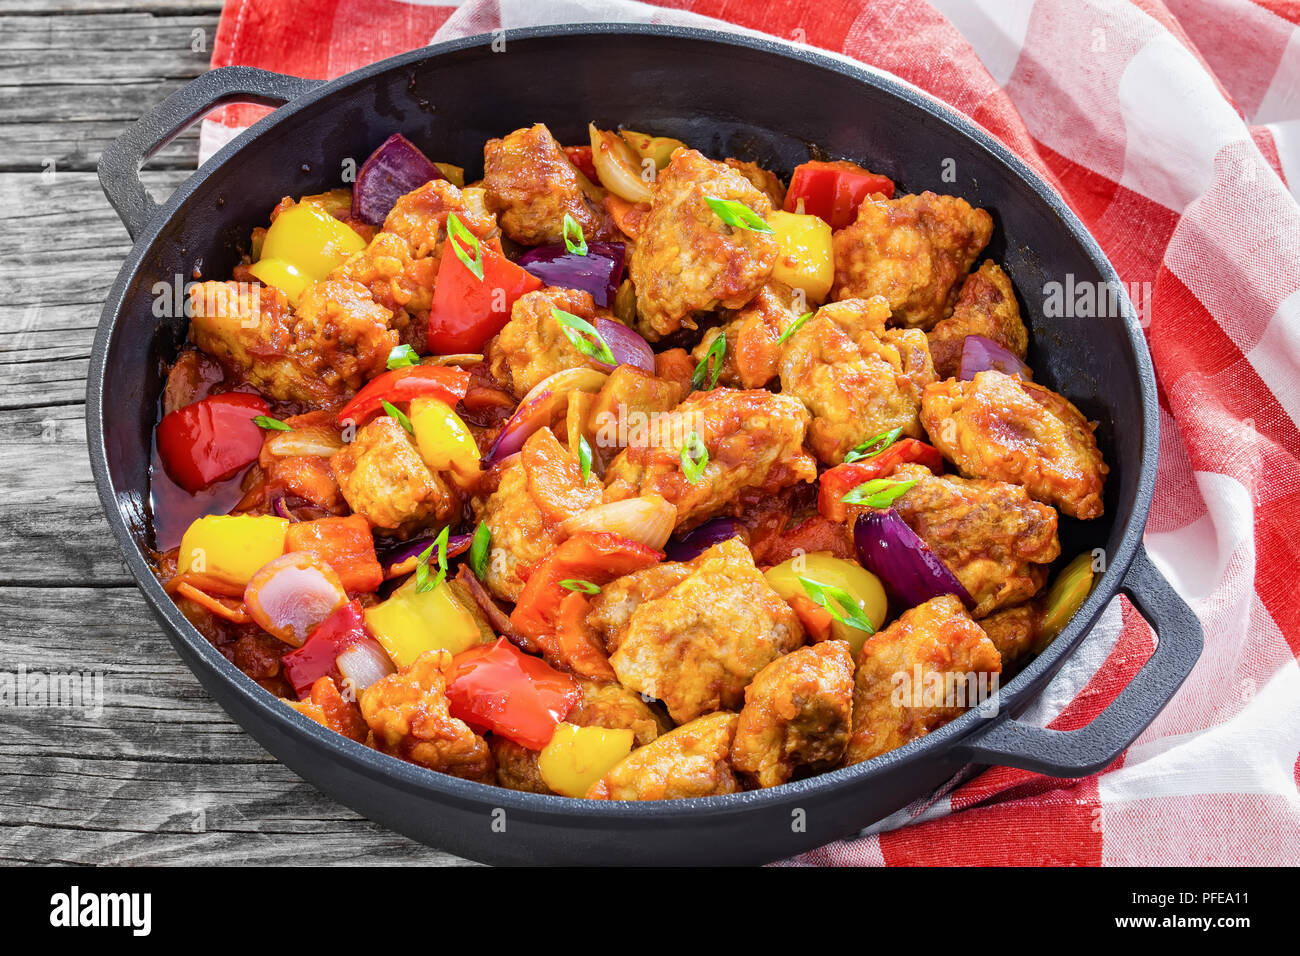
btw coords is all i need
(599, 272)
(628, 346)
(981, 354)
(363, 664)
(694, 543)
(893, 552)
(393, 170)
(290, 596)
(539, 407)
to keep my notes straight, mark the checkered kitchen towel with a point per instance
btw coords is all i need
(1173, 129)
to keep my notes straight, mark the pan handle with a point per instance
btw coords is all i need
(1078, 753)
(119, 166)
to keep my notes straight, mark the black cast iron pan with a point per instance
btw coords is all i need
(728, 96)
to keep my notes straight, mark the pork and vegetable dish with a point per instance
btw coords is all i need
(625, 472)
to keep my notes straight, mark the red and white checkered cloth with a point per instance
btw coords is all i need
(1173, 129)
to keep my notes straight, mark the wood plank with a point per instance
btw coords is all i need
(161, 774)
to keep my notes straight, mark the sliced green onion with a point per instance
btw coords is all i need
(839, 602)
(737, 214)
(710, 366)
(583, 336)
(574, 240)
(458, 233)
(695, 456)
(873, 446)
(478, 550)
(399, 416)
(271, 424)
(584, 458)
(402, 356)
(577, 584)
(424, 581)
(793, 327)
(877, 493)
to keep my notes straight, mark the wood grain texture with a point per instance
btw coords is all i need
(160, 775)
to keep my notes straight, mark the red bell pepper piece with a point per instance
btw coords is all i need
(210, 439)
(445, 382)
(597, 557)
(837, 482)
(346, 545)
(580, 156)
(345, 627)
(498, 687)
(467, 310)
(833, 191)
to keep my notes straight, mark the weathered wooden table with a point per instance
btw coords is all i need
(161, 775)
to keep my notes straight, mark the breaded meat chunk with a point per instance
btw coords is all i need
(995, 538)
(754, 445)
(763, 179)
(913, 250)
(999, 427)
(612, 609)
(383, 478)
(856, 377)
(538, 491)
(686, 259)
(690, 761)
(532, 346)
(531, 184)
(603, 704)
(986, 306)
(1016, 631)
(798, 714)
(409, 716)
(318, 354)
(752, 355)
(937, 640)
(696, 647)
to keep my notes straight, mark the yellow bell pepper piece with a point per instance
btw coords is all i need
(231, 548)
(455, 174)
(804, 258)
(311, 240)
(824, 568)
(282, 275)
(1066, 595)
(445, 443)
(410, 623)
(577, 757)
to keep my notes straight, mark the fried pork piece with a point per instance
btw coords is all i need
(383, 477)
(798, 714)
(686, 259)
(754, 440)
(991, 534)
(400, 265)
(532, 345)
(855, 377)
(890, 707)
(408, 714)
(913, 250)
(602, 704)
(538, 492)
(531, 184)
(763, 179)
(698, 645)
(612, 609)
(998, 426)
(1015, 631)
(318, 354)
(986, 306)
(753, 357)
(326, 706)
(690, 761)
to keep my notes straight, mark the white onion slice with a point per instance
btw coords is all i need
(648, 520)
(363, 664)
